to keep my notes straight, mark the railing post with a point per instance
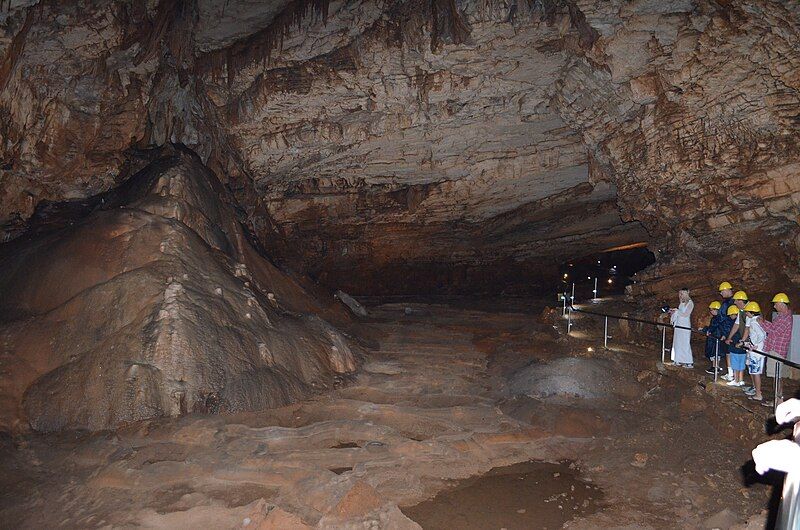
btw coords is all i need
(716, 359)
(564, 308)
(569, 320)
(777, 383)
(594, 292)
(605, 334)
(572, 298)
(663, 342)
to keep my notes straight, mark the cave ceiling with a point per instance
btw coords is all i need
(383, 136)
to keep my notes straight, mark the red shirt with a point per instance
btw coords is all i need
(779, 333)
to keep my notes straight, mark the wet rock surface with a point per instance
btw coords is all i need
(526, 495)
(396, 438)
(155, 307)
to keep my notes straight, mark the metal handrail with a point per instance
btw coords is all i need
(781, 361)
(696, 331)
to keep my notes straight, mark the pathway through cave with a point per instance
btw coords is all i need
(449, 394)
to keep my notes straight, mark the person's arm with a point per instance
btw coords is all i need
(780, 455)
(687, 311)
(788, 411)
(746, 333)
(734, 329)
(715, 327)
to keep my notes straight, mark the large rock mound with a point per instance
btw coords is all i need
(568, 380)
(156, 304)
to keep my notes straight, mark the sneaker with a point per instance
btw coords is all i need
(732, 383)
(750, 391)
(690, 365)
(760, 399)
(727, 377)
(747, 389)
(740, 383)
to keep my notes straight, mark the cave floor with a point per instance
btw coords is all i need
(450, 393)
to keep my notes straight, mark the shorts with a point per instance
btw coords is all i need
(736, 361)
(755, 363)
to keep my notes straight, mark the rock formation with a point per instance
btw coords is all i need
(407, 146)
(430, 143)
(152, 302)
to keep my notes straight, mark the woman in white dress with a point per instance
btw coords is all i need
(681, 340)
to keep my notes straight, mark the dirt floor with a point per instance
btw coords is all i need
(462, 418)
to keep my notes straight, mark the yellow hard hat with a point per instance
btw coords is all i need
(725, 285)
(780, 297)
(714, 305)
(740, 295)
(752, 307)
(733, 310)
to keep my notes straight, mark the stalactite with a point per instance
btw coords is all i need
(260, 46)
(447, 24)
(551, 8)
(17, 46)
(171, 26)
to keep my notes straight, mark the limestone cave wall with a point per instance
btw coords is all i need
(385, 139)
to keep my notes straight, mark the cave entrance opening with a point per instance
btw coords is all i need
(614, 269)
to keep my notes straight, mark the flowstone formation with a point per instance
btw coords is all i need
(431, 144)
(153, 302)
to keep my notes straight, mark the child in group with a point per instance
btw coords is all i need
(736, 356)
(726, 292)
(754, 336)
(724, 326)
(739, 301)
(713, 333)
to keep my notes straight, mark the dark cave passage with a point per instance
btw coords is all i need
(613, 269)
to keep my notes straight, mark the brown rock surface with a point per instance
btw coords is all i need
(430, 412)
(469, 145)
(157, 306)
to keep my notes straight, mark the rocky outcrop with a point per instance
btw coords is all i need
(152, 302)
(415, 145)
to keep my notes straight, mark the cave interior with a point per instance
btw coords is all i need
(288, 229)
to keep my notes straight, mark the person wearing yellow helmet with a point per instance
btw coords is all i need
(736, 355)
(779, 331)
(712, 332)
(780, 298)
(754, 337)
(726, 292)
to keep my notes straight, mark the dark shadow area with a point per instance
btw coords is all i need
(773, 479)
(613, 269)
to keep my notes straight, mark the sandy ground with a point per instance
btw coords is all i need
(449, 398)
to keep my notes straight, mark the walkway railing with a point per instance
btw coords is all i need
(569, 309)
